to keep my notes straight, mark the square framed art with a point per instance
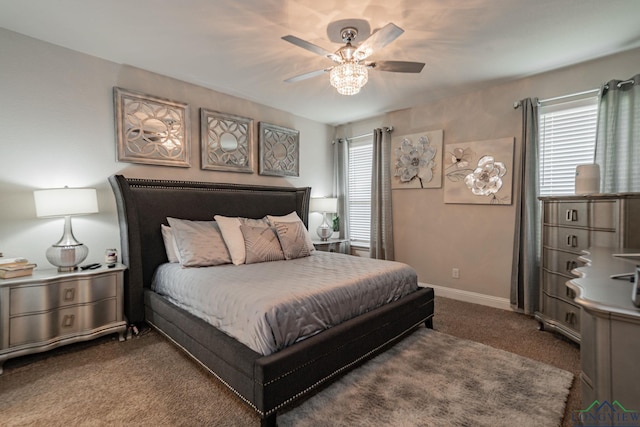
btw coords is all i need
(226, 142)
(151, 130)
(279, 150)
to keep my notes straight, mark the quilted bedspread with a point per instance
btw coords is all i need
(269, 306)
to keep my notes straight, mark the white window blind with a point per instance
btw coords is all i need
(567, 139)
(359, 200)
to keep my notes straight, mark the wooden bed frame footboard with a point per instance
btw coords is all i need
(266, 383)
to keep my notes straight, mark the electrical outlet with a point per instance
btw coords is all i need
(455, 273)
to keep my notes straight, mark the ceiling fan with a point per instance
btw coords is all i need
(351, 72)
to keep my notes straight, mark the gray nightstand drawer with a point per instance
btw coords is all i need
(29, 299)
(37, 328)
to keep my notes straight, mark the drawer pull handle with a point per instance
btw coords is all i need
(571, 215)
(69, 294)
(67, 320)
(571, 265)
(570, 318)
(572, 241)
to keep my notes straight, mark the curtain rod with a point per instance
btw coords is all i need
(365, 135)
(516, 104)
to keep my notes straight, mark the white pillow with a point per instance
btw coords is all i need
(169, 243)
(233, 238)
(292, 217)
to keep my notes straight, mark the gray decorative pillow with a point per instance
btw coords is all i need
(293, 239)
(262, 222)
(292, 217)
(199, 243)
(261, 244)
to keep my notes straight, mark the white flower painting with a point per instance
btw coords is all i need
(479, 172)
(416, 160)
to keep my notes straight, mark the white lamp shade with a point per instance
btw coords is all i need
(324, 204)
(65, 201)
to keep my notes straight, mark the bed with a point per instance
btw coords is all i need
(267, 383)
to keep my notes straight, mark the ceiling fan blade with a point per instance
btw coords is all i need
(307, 75)
(378, 40)
(312, 47)
(396, 66)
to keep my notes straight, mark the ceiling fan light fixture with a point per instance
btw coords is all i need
(348, 78)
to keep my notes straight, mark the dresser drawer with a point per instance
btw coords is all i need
(42, 297)
(565, 313)
(569, 239)
(575, 214)
(37, 328)
(560, 261)
(556, 285)
(604, 214)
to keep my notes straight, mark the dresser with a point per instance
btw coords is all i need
(610, 331)
(50, 309)
(571, 224)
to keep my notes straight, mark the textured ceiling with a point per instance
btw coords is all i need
(235, 46)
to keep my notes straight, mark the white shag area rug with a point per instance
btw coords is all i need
(434, 379)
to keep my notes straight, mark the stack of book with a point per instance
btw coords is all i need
(15, 267)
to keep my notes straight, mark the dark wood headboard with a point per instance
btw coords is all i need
(144, 204)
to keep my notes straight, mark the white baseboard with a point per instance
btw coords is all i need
(472, 297)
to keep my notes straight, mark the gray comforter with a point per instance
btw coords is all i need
(271, 305)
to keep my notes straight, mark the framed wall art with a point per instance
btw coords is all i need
(479, 172)
(225, 142)
(279, 150)
(416, 160)
(151, 130)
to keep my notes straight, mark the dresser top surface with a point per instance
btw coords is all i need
(597, 291)
(51, 275)
(599, 196)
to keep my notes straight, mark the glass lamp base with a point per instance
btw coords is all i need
(324, 231)
(67, 257)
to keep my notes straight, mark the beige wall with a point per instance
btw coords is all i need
(435, 237)
(57, 129)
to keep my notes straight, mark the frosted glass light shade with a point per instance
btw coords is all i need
(67, 253)
(65, 201)
(324, 204)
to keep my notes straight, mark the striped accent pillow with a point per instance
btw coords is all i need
(261, 244)
(293, 239)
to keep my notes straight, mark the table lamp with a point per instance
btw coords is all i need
(67, 253)
(324, 205)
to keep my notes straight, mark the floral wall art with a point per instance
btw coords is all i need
(416, 160)
(479, 172)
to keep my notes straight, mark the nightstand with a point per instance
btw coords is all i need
(332, 245)
(49, 309)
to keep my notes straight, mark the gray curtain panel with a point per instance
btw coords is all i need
(381, 217)
(618, 136)
(340, 185)
(525, 272)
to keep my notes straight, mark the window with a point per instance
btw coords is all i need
(567, 139)
(359, 183)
